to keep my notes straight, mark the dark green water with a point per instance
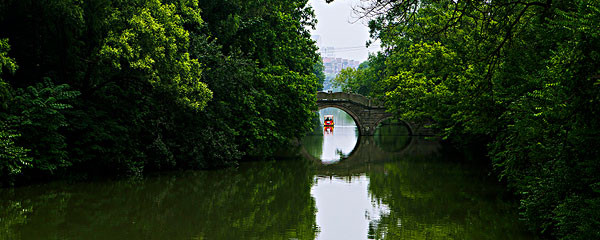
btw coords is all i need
(389, 186)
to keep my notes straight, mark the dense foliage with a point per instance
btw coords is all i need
(130, 86)
(520, 76)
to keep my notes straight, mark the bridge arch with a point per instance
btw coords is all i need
(408, 126)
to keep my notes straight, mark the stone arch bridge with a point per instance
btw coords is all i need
(367, 113)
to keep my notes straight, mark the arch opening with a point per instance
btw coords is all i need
(390, 120)
(332, 144)
(350, 113)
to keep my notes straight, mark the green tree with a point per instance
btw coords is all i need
(6, 64)
(13, 158)
(318, 71)
(144, 69)
(37, 114)
(520, 77)
(271, 95)
(129, 59)
(364, 80)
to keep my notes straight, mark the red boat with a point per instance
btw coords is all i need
(328, 120)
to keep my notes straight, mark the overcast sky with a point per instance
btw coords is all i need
(337, 30)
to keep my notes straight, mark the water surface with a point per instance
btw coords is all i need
(389, 186)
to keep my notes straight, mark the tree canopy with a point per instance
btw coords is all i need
(131, 86)
(519, 78)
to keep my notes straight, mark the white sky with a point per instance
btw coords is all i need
(337, 30)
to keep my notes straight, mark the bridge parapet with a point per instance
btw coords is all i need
(357, 98)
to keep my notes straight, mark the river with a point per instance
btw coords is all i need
(339, 186)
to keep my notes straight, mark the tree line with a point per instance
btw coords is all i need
(112, 87)
(520, 79)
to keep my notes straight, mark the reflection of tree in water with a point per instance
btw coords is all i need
(257, 201)
(12, 214)
(423, 193)
(432, 199)
(313, 144)
(341, 154)
(392, 137)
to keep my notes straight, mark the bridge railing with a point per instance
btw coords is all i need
(342, 96)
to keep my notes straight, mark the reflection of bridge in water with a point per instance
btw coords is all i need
(368, 151)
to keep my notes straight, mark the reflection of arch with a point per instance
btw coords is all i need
(365, 148)
(367, 114)
(392, 143)
(367, 152)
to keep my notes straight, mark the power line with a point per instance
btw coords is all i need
(354, 47)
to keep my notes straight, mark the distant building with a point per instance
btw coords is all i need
(335, 65)
(332, 64)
